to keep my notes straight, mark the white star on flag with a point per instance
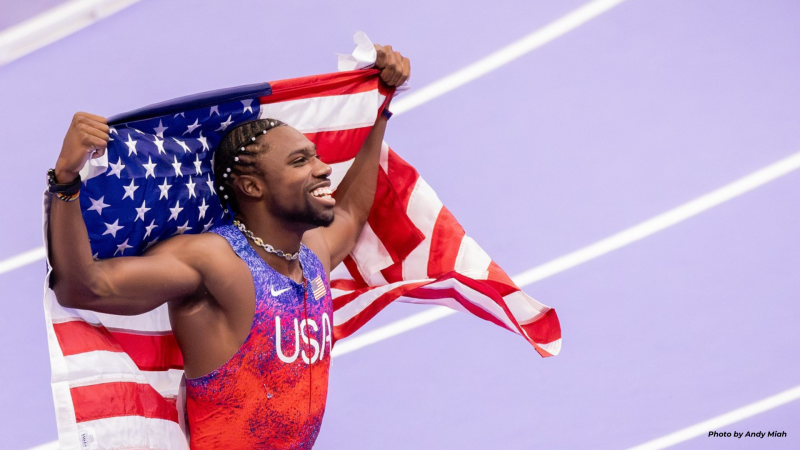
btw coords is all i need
(164, 189)
(202, 208)
(160, 144)
(192, 127)
(150, 228)
(214, 109)
(150, 167)
(122, 247)
(177, 166)
(247, 105)
(175, 211)
(131, 145)
(183, 145)
(211, 185)
(208, 225)
(140, 212)
(191, 185)
(197, 163)
(182, 229)
(203, 141)
(98, 205)
(224, 125)
(160, 129)
(129, 190)
(112, 228)
(116, 169)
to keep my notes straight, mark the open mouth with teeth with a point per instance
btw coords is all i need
(324, 195)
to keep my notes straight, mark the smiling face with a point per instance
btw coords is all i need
(296, 184)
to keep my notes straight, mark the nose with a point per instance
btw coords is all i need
(322, 170)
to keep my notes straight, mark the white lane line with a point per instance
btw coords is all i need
(505, 55)
(52, 445)
(23, 259)
(440, 87)
(54, 24)
(590, 252)
(721, 421)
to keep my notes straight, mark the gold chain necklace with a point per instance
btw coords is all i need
(268, 248)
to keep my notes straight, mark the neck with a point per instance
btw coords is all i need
(281, 236)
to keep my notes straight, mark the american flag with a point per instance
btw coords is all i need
(318, 288)
(116, 379)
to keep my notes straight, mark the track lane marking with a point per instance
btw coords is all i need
(55, 24)
(721, 421)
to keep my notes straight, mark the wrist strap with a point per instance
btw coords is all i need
(386, 113)
(64, 191)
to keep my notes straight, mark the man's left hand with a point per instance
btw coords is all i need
(395, 68)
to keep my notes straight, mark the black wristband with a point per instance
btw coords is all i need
(68, 189)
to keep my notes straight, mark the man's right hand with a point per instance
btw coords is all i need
(86, 138)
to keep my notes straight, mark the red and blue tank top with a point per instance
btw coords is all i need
(271, 394)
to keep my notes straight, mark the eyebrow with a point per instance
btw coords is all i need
(306, 150)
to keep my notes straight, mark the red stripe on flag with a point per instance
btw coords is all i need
(345, 285)
(389, 221)
(393, 273)
(545, 329)
(340, 83)
(339, 146)
(101, 401)
(381, 302)
(352, 267)
(149, 352)
(431, 294)
(78, 336)
(403, 178)
(445, 243)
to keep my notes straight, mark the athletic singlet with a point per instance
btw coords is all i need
(271, 394)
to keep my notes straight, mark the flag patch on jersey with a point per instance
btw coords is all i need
(318, 287)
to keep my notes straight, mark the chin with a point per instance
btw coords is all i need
(323, 220)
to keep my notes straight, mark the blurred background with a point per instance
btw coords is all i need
(589, 118)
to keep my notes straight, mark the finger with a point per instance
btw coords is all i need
(380, 60)
(81, 121)
(398, 71)
(94, 143)
(406, 71)
(94, 117)
(91, 131)
(388, 73)
(98, 153)
(100, 125)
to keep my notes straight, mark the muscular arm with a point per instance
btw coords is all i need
(125, 285)
(356, 193)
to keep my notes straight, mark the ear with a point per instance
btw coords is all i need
(249, 186)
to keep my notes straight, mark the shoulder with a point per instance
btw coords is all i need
(194, 249)
(315, 241)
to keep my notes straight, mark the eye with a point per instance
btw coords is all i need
(299, 160)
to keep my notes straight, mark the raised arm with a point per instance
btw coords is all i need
(124, 285)
(356, 192)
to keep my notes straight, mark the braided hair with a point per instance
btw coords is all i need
(236, 155)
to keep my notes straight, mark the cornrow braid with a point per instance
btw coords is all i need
(236, 156)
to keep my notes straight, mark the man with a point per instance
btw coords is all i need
(249, 303)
